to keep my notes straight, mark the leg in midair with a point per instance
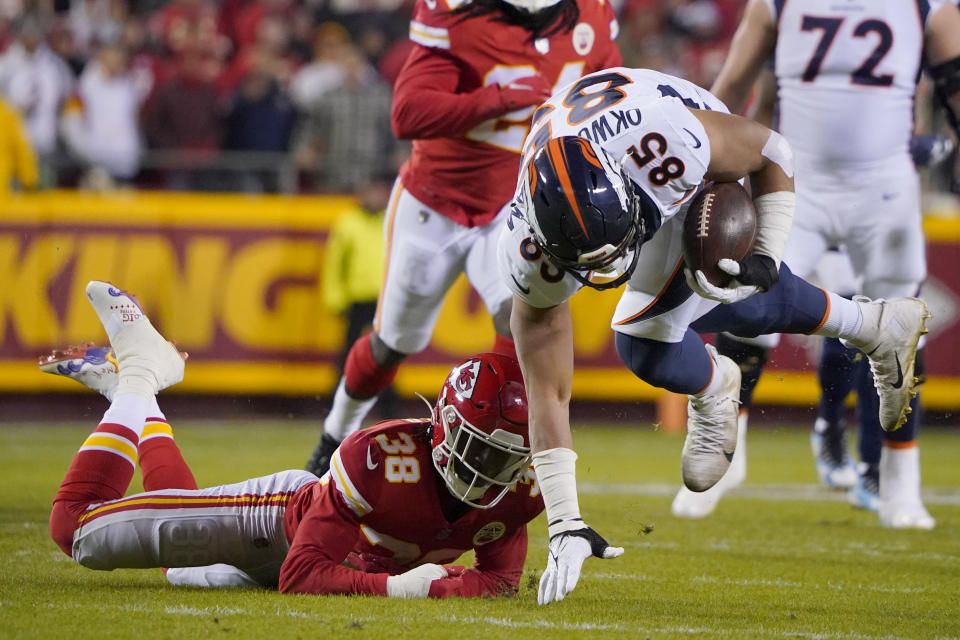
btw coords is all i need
(145, 364)
(750, 358)
(711, 382)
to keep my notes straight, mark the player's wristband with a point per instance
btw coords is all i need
(556, 473)
(774, 219)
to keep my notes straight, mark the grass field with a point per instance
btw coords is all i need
(781, 558)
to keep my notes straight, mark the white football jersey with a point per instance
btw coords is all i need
(642, 119)
(847, 73)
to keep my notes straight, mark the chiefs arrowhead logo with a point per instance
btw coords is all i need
(463, 379)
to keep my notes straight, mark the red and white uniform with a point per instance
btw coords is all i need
(443, 213)
(379, 509)
(380, 506)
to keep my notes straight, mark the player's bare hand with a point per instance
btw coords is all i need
(525, 92)
(416, 582)
(567, 552)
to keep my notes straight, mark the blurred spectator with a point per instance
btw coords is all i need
(260, 118)
(190, 25)
(347, 132)
(184, 114)
(326, 71)
(246, 23)
(63, 43)
(92, 21)
(100, 127)
(17, 160)
(301, 33)
(268, 51)
(36, 82)
(144, 64)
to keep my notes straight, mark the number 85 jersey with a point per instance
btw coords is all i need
(642, 119)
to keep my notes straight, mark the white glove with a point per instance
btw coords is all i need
(566, 554)
(416, 582)
(733, 292)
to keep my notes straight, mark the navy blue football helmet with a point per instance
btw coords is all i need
(585, 213)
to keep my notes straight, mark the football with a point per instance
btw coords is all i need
(721, 223)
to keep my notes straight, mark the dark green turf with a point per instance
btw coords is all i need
(758, 568)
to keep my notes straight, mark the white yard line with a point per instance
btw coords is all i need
(797, 492)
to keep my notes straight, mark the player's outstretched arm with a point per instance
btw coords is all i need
(544, 339)
(752, 45)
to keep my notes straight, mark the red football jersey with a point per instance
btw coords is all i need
(469, 174)
(381, 509)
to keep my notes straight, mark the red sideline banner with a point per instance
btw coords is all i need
(235, 281)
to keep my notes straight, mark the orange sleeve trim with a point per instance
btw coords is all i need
(826, 314)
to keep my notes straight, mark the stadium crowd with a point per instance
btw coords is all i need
(253, 95)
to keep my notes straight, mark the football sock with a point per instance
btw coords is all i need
(161, 463)
(900, 473)
(363, 380)
(102, 468)
(751, 360)
(681, 367)
(843, 317)
(363, 377)
(505, 346)
(347, 413)
(837, 374)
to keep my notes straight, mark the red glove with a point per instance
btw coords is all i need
(524, 92)
(454, 570)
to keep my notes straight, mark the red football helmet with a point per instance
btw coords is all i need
(480, 437)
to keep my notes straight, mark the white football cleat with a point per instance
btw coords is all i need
(691, 504)
(147, 362)
(888, 337)
(711, 427)
(92, 366)
(900, 504)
